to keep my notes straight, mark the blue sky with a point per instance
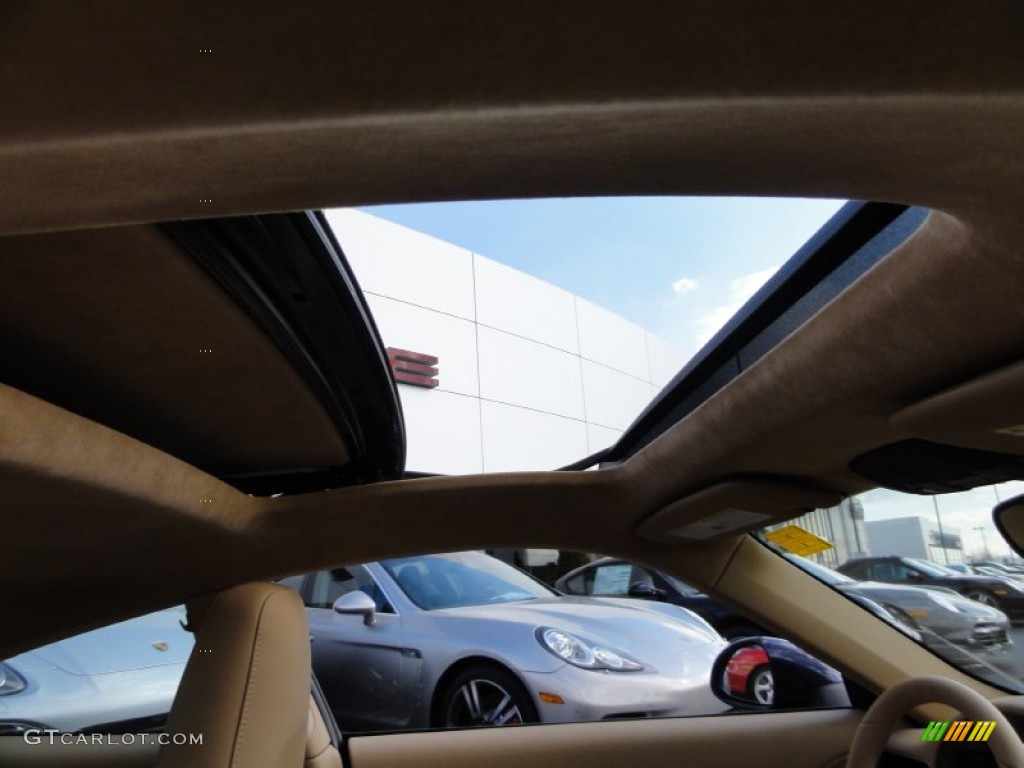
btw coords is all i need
(679, 267)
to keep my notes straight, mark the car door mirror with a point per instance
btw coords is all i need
(915, 577)
(645, 591)
(764, 673)
(358, 603)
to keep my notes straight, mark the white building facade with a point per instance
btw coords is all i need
(529, 376)
(916, 537)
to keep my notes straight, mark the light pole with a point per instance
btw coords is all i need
(942, 538)
(984, 539)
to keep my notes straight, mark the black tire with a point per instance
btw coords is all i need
(761, 685)
(485, 695)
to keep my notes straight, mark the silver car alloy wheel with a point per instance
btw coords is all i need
(482, 702)
(762, 686)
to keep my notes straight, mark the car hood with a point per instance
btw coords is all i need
(638, 629)
(153, 640)
(904, 596)
(877, 589)
(588, 609)
(622, 624)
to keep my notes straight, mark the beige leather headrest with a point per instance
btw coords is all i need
(246, 686)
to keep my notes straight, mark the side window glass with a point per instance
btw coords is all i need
(612, 580)
(616, 659)
(641, 574)
(902, 573)
(577, 585)
(328, 586)
(884, 572)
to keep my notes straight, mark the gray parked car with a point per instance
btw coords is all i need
(463, 639)
(988, 570)
(963, 569)
(118, 679)
(953, 618)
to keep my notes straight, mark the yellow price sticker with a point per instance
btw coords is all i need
(797, 540)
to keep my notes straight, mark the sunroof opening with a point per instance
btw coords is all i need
(527, 334)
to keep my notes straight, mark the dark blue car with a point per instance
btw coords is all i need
(609, 577)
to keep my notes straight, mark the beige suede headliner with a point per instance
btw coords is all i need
(336, 103)
(327, 103)
(119, 325)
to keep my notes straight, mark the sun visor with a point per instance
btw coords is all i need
(733, 507)
(986, 413)
(924, 467)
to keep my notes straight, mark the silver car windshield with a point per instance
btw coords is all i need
(461, 579)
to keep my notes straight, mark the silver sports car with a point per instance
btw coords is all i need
(119, 679)
(463, 639)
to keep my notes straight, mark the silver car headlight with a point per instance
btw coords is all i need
(10, 681)
(580, 653)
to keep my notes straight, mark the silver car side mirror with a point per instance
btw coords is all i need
(357, 602)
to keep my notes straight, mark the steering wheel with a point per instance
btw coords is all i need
(874, 730)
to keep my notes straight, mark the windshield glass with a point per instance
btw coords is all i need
(884, 539)
(460, 579)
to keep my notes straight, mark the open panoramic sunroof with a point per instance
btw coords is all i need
(852, 242)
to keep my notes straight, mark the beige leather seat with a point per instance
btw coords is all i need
(246, 688)
(320, 752)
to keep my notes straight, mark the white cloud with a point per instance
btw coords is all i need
(684, 285)
(740, 291)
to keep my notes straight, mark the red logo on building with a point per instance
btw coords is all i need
(413, 367)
